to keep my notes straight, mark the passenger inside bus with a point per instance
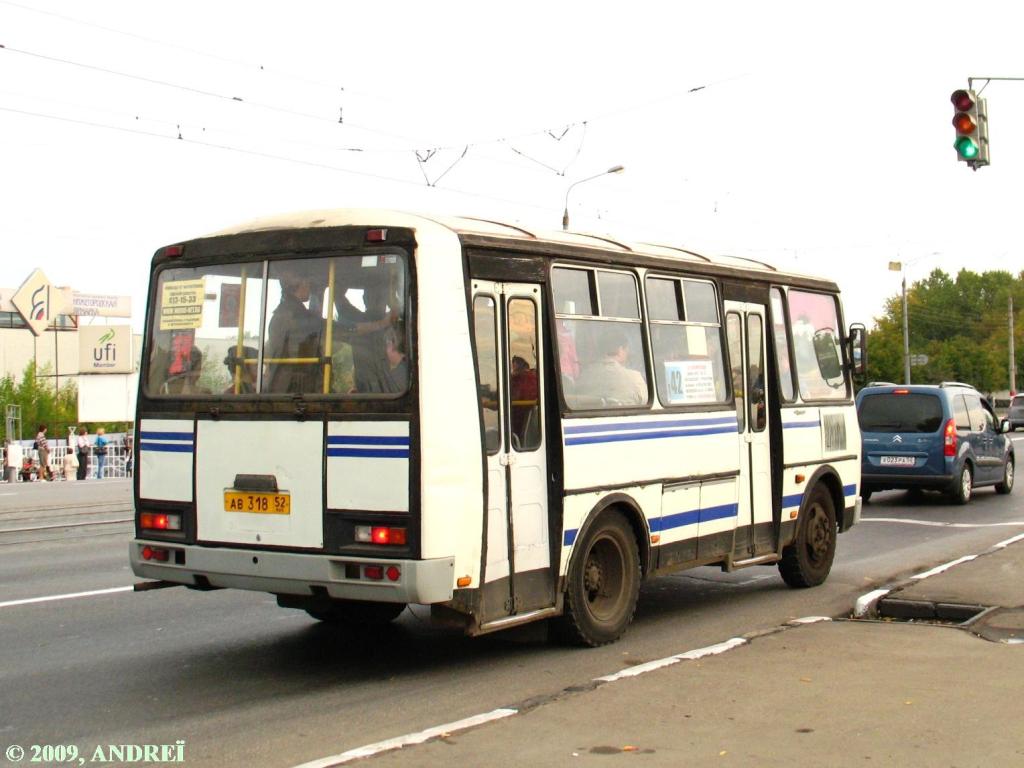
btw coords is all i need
(397, 373)
(293, 339)
(245, 366)
(365, 329)
(609, 378)
(184, 375)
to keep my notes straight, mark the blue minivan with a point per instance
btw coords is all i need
(943, 437)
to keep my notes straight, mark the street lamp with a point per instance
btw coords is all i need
(565, 213)
(901, 267)
(897, 266)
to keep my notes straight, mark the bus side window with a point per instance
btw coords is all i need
(485, 324)
(733, 329)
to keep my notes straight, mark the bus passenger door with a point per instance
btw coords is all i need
(745, 325)
(517, 575)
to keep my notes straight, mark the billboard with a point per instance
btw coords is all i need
(105, 349)
(107, 398)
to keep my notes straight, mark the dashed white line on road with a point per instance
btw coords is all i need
(939, 524)
(409, 739)
(70, 596)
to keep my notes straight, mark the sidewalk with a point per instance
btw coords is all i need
(830, 693)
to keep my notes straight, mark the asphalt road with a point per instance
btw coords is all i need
(243, 682)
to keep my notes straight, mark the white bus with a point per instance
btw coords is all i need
(360, 410)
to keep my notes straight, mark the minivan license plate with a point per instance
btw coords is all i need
(896, 461)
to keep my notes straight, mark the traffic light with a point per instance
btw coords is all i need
(971, 123)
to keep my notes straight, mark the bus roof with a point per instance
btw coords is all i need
(485, 229)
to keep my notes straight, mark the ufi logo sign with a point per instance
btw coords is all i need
(105, 349)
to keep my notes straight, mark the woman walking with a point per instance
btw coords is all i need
(82, 448)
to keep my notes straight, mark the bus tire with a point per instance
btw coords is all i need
(603, 584)
(358, 612)
(807, 561)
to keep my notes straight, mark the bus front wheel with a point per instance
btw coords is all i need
(603, 583)
(356, 612)
(807, 561)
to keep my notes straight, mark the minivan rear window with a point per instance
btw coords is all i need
(900, 413)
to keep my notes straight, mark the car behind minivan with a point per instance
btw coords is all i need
(942, 437)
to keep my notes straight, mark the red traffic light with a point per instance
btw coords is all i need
(963, 123)
(962, 101)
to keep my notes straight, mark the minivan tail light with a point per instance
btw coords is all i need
(949, 438)
(901, 391)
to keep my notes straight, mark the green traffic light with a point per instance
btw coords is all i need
(966, 147)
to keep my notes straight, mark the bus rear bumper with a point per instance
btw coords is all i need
(290, 573)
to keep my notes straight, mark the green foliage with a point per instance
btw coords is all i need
(40, 404)
(960, 323)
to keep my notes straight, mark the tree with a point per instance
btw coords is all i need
(960, 324)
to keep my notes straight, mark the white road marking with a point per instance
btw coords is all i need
(864, 603)
(1008, 542)
(698, 653)
(409, 739)
(71, 596)
(940, 568)
(937, 524)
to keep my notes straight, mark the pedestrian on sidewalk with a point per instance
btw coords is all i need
(43, 446)
(82, 448)
(100, 450)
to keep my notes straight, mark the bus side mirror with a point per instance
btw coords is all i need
(857, 343)
(827, 353)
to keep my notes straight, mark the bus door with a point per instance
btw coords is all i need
(745, 328)
(517, 574)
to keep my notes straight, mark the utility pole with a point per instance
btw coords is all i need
(1013, 364)
(906, 335)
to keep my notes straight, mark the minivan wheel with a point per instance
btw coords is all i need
(1007, 485)
(962, 490)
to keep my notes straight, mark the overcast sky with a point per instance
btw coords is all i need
(814, 135)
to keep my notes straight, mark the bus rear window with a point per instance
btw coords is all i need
(327, 326)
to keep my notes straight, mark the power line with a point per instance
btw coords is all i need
(272, 156)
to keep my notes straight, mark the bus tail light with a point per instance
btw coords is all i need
(379, 534)
(156, 553)
(375, 572)
(949, 438)
(160, 521)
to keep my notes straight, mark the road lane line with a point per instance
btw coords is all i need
(71, 596)
(937, 524)
(945, 567)
(1008, 542)
(409, 739)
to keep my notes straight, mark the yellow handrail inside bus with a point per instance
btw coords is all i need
(328, 327)
(241, 332)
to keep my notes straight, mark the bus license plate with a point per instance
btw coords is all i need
(897, 461)
(258, 503)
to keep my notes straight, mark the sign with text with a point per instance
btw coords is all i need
(100, 305)
(181, 304)
(105, 349)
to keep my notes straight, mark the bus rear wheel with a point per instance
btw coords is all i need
(357, 612)
(603, 584)
(807, 561)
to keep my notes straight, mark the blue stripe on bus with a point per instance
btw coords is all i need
(367, 440)
(166, 436)
(797, 498)
(650, 435)
(166, 447)
(635, 425)
(369, 453)
(800, 424)
(679, 520)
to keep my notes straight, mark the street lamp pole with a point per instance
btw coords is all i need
(565, 212)
(897, 266)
